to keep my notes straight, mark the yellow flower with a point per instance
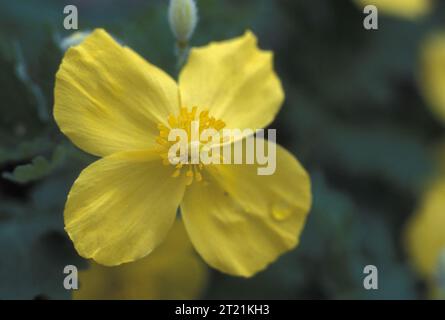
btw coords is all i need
(112, 103)
(432, 77)
(172, 271)
(410, 9)
(424, 233)
(425, 236)
(437, 293)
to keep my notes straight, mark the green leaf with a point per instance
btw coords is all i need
(19, 119)
(342, 237)
(24, 150)
(34, 89)
(38, 168)
(397, 158)
(34, 251)
(390, 153)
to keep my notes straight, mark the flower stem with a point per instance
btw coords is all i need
(181, 50)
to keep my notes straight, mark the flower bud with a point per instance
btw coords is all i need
(183, 17)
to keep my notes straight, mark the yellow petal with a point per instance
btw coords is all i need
(436, 292)
(172, 271)
(425, 236)
(122, 206)
(432, 77)
(235, 81)
(109, 99)
(410, 9)
(239, 221)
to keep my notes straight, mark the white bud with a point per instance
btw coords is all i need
(73, 40)
(183, 17)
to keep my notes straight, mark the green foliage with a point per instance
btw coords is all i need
(38, 168)
(18, 108)
(33, 245)
(353, 116)
(23, 150)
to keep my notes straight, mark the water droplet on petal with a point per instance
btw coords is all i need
(281, 212)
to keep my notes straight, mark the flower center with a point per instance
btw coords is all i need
(192, 125)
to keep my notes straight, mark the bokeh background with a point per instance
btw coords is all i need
(354, 116)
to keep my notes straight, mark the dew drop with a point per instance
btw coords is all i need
(281, 212)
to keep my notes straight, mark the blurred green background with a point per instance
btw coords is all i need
(353, 116)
